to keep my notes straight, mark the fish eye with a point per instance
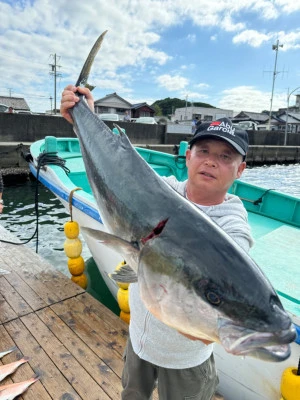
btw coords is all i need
(213, 298)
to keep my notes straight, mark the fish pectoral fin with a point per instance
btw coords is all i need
(115, 242)
(124, 275)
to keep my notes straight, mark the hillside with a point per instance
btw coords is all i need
(168, 105)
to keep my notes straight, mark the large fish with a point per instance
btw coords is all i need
(11, 391)
(8, 369)
(192, 276)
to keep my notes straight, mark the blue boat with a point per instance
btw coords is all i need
(274, 218)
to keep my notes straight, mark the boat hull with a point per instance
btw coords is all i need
(241, 378)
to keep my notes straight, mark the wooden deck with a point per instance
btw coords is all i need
(75, 344)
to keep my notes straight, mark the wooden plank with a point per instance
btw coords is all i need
(36, 391)
(97, 315)
(52, 379)
(93, 332)
(28, 294)
(102, 374)
(93, 306)
(76, 375)
(6, 312)
(13, 298)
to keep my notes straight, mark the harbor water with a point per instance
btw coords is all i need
(19, 214)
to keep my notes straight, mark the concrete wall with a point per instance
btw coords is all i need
(29, 128)
(273, 138)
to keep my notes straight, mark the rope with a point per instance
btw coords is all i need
(257, 201)
(70, 201)
(42, 160)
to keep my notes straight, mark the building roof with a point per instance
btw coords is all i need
(139, 105)
(252, 116)
(292, 117)
(114, 99)
(18, 103)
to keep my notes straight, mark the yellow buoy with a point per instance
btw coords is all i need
(76, 265)
(125, 316)
(73, 247)
(81, 280)
(71, 229)
(290, 384)
(123, 301)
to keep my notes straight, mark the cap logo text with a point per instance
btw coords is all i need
(221, 127)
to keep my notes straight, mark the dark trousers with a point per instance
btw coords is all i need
(139, 379)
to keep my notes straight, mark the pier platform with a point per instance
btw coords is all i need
(75, 344)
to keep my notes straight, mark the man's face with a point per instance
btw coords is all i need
(213, 165)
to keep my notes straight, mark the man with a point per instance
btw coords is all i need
(126, 117)
(195, 122)
(182, 366)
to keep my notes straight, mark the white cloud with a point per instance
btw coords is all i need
(172, 83)
(248, 98)
(251, 37)
(33, 30)
(202, 85)
(191, 38)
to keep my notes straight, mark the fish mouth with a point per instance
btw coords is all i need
(267, 346)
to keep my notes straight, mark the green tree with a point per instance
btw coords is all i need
(158, 110)
(169, 105)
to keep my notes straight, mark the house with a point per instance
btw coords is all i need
(203, 113)
(114, 104)
(141, 110)
(17, 103)
(293, 121)
(259, 118)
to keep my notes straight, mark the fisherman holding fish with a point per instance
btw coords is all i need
(182, 365)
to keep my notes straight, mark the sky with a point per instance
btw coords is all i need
(221, 52)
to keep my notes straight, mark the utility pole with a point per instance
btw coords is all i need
(50, 104)
(275, 72)
(55, 74)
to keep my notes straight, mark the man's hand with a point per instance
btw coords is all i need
(69, 99)
(195, 338)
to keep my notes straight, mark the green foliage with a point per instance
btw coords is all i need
(168, 105)
(157, 109)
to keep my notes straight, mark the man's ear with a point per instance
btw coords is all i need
(240, 170)
(187, 156)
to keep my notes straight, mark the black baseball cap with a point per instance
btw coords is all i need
(222, 129)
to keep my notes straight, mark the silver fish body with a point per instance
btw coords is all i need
(192, 275)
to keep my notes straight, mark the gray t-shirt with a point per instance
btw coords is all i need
(160, 344)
